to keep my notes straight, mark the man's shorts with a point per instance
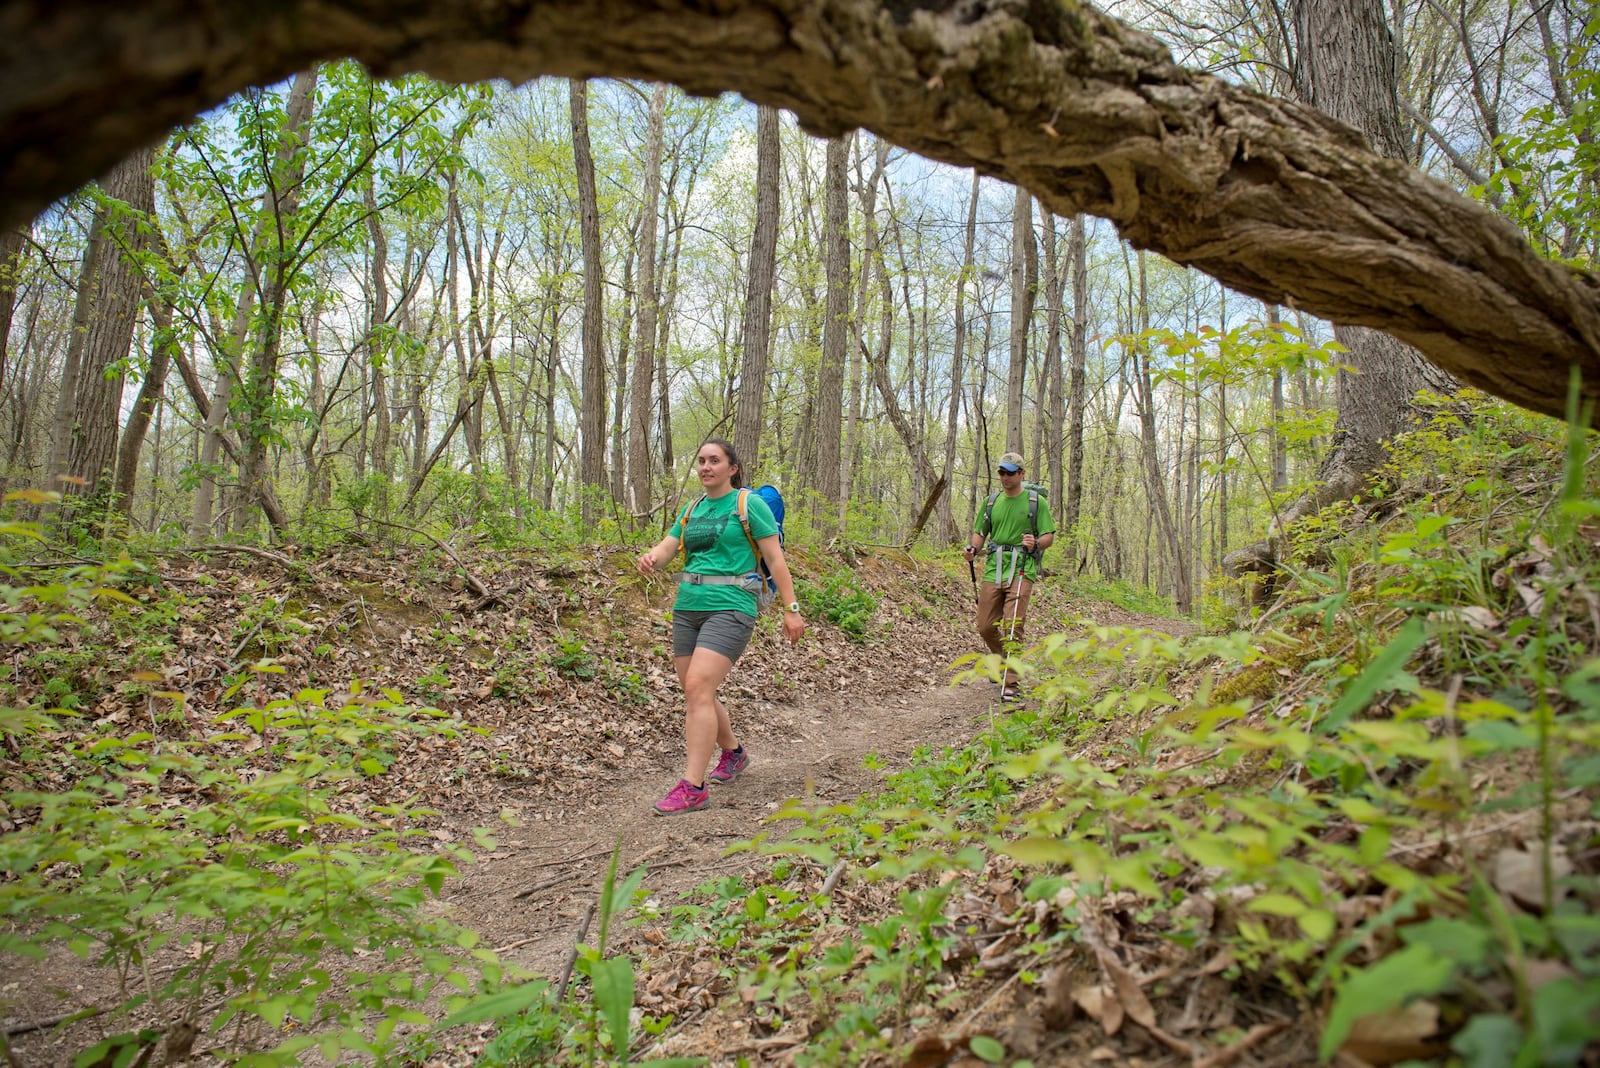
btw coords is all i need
(726, 632)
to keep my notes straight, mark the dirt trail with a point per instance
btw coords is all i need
(529, 896)
(577, 757)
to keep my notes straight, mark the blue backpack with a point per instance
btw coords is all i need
(774, 499)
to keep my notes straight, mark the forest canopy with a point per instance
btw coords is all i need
(1269, 197)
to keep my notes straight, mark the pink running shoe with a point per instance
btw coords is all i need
(684, 797)
(728, 768)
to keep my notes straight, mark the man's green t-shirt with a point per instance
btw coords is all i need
(1008, 522)
(716, 545)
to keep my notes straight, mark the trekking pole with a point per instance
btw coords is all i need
(973, 571)
(1013, 595)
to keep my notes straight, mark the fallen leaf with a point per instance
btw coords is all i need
(1398, 1035)
(1519, 875)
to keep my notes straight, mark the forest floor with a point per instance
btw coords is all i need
(561, 666)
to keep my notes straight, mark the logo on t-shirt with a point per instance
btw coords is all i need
(702, 533)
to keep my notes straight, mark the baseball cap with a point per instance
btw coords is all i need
(1011, 462)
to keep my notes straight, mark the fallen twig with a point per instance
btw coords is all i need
(51, 1021)
(486, 596)
(1254, 1037)
(833, 878)
(572, 954)
(547, 884)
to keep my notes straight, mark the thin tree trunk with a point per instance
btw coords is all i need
(1021, 314)
(747, 421)
(641, 497)
(592, 421)
(12, 247)
(1279, 444)
(1055, 402)
(261, 381)
(958, 347)
(226, 360)
(1077, 380)
(868, 192)
(619, 385)
(1154, 483)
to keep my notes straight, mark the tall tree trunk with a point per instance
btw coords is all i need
(867, 190)
(261, 376)
(1021, 315)
(1155, 484)
(226, 357)
(1347, 67)
(669, 302)
(1279, 444)
(835, 322)
(108, 293)
(642, 400)
(153, 388)
(1054, 415)
(592, 421)
(958, 347)
(758, 297)
(151, 393)
(12, 245)
(1077, 251)
(619, 385)
(376, 341)
(916, 448)
(552, 370)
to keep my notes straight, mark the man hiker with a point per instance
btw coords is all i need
(1017, 525)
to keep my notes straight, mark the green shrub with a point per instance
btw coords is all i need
(841, 601)
(299, 910)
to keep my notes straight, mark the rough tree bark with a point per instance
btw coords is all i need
(1021, 320)
(758, 298)
(11, 249)
(87, 410)
(958, 345)
(642, 399)
(1054, 415)
(1269, 197)
(835, 322)
(593, 428)
(1077, 246)
(1347, 67)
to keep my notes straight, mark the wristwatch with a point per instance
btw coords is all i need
(792, 606)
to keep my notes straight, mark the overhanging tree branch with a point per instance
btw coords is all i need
(1268, 197)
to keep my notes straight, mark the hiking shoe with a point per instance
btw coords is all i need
(684, 797)
(728, 768)
(1010, 694)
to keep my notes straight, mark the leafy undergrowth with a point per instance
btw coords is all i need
(237, 779)
(1360, 831)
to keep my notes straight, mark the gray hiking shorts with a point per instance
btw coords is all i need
(726, 632)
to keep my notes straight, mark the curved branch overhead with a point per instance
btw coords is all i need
(1271, 198)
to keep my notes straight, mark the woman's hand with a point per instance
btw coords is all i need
(794, 625)
(647, 562)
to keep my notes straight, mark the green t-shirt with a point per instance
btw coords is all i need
(1008, 522)
(716, 545)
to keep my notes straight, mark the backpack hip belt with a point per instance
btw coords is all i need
(689, 578)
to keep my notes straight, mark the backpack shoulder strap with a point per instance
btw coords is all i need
(744, 521)
(683, 522)
(988, 512)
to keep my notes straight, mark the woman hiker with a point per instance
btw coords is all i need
(714, 613)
